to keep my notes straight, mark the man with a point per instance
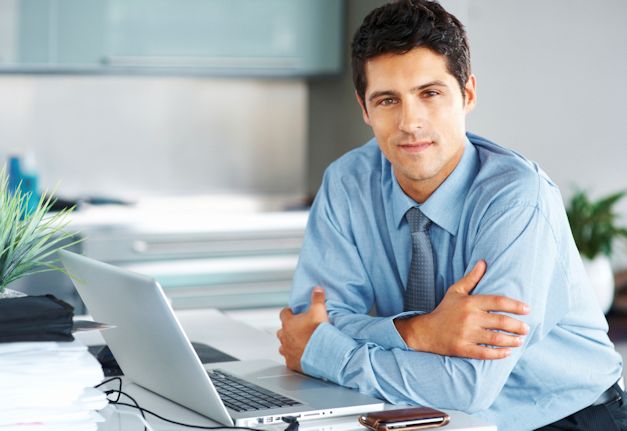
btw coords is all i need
(442, 232)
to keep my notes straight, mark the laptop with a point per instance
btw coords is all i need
(154, 352)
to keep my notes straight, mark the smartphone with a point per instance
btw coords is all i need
(413, 418)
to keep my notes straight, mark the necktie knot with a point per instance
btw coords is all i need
(418, 222)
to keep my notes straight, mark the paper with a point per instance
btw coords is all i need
(48, 386)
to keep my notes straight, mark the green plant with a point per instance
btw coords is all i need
(28, 241)
(593, 223)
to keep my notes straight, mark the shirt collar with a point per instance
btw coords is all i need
(444, 206)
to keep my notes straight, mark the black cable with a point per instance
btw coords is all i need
(184, 424)
(290, 420)
(120, 393)
(127, 396)
(112, 379)
(119, 379)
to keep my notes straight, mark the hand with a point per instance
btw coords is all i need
(296, 329)
(465, 325)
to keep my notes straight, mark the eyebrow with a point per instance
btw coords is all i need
(436, 83)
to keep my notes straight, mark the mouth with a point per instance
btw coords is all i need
(415, 147)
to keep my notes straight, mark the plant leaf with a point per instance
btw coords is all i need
(593, 223)
(28, 241)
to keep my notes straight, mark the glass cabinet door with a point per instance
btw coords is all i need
(281, 37)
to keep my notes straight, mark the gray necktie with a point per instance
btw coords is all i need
(420, 290)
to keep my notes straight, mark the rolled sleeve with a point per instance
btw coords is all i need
(326, 352)
(348, 288)
(368, 329)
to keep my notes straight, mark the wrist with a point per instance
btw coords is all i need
(413, 333)
(404, 329)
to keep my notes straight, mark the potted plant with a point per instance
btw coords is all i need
(593, 224)
(28, 239)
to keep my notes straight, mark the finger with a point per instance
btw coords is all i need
(468, 282)
(505, 323)
(499, 339)
(486, 353)
(318, 308)
(317, 296)
(285, 314)
(500, 304)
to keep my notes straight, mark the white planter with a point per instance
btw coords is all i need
(602, 279)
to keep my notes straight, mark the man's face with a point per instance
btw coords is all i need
(418, 115)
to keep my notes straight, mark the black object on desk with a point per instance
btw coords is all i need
(35, 318)
(59, 204)
(110, 367)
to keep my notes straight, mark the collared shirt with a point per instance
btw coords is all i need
(495, 206)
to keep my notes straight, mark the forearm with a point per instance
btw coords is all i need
(401, 376)
(364, 328)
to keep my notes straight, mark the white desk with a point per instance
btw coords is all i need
(244, 342)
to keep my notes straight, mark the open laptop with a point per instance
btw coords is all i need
(154, 352)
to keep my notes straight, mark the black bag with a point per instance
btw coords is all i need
(35, 318)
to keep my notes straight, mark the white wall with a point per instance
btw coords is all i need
(131, 136)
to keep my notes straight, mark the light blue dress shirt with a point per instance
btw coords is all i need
(495, 205)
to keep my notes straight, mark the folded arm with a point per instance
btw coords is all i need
(329, 258)
(405, 376)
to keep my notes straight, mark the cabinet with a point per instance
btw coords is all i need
(212, 253)
(244, 37)
(206, 252)
(53, 34)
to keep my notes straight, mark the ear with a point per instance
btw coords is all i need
(470, 91)
(364, 112)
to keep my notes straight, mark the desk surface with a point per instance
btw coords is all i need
(216, 329)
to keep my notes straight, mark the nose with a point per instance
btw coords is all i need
(412, 117)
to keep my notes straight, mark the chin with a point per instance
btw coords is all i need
(417, 174)
(420, 171)
(424, 177)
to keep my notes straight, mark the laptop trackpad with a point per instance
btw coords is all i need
(273, 376)
(292, 382)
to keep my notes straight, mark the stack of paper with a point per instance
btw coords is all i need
(49, 386)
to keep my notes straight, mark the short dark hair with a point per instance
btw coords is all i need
(400, 26)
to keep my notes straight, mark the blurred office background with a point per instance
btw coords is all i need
(214, 120)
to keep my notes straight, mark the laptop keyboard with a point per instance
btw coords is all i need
(243, 396)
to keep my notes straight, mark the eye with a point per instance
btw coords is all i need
(387, 101)
(431, 93)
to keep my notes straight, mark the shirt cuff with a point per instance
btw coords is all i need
(385, 334)
(400, 343)
(326, 352)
